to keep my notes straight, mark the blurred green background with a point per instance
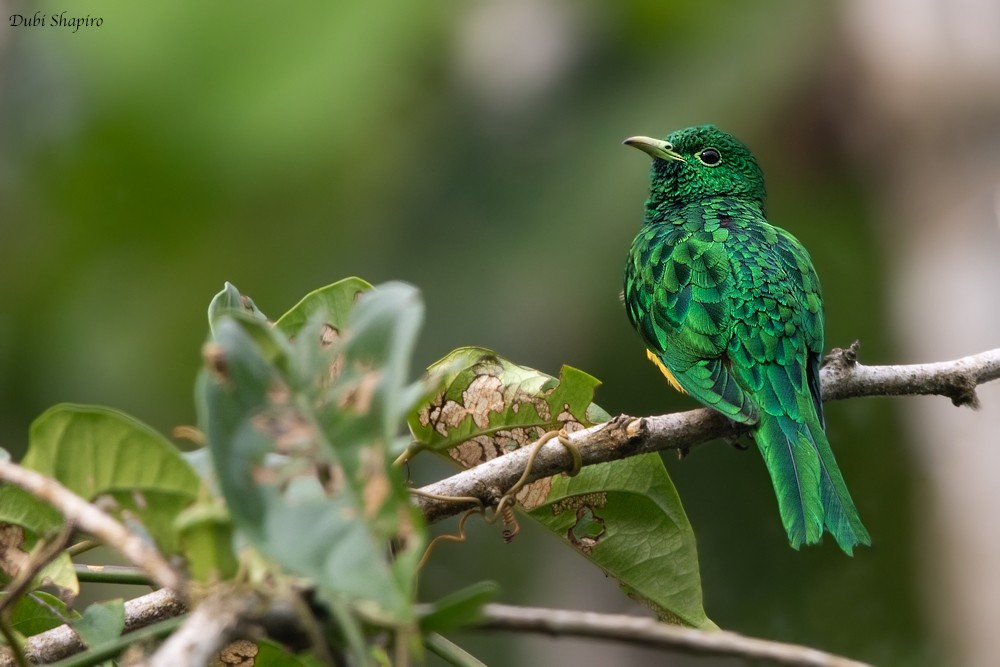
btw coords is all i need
(472, 149)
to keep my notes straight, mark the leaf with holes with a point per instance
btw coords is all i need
(490, 406)
(303, 455)
(624, 516)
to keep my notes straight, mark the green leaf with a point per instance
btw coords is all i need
(272, 654)
(151, 512)
(91, 450)
(206, 534)
(624, 516)
(371, 395)
(451, 653)
(459, 608)
(231, 390)
(38, 612)
(301, 434)
(101, 623)
(230, 301)
(59, 573)
(97, 451)
(20, 508)
(333, 302)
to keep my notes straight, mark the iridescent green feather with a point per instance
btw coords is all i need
(732, 307)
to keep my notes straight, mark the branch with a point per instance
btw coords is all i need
(90, 519)
(230, 617)
(624, 436)
(843, 377)
(61, 642)
(650, 632)
(219, 619)
(112, 574)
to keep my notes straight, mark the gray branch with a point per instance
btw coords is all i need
(842, 377)
(219, 619)
(61, 642)
(640, 631)
(623, 436)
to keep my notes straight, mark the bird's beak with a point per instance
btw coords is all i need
(657, 148)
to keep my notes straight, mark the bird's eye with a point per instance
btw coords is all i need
(709, 157)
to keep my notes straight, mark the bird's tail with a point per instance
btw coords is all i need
(811, 491)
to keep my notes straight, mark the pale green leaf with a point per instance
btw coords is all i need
(101, 622)
(230, 301)
(333, 303)
(97, 451)
(301, 432)
(92, 450)
(205, 531)
(20, 508)
(59, 573)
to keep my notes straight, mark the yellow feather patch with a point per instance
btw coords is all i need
(666, 371)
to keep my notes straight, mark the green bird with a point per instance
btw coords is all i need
(730, 309)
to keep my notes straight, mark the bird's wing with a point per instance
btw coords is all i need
(800, 269)
(676, 289)
(776, 337)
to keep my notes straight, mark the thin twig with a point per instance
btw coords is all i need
(642, 631)
(112, 574)
(90, 519)
(75, 550)
(625, 436)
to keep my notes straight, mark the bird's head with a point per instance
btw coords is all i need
(699, 162)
